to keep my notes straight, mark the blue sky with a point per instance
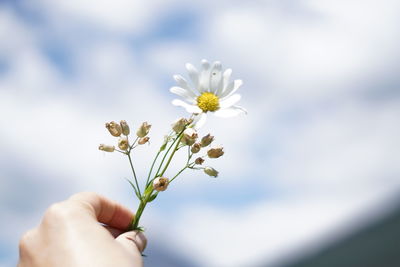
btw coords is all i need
(317, 150)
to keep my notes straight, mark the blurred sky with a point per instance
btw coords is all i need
(316, 156)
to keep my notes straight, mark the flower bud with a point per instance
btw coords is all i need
(206, 140)
(199, 161)
(179, 125)
(106, 148)
(160, 184)
(143, 129)
(215, 152)
(211, 171)
(164, 145)
(189, 136)
(195, 148)
(125, 128)
(123, 143)
(143, 140)
(114, 128)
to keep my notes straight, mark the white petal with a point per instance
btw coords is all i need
(183, 83)
(230, 101)
(200, 120)
(230, 112)
(225, 82)
(228, 89)
(231, 89)
(187, 95)
(205, 64)
(193, 74)
(189, 108)
(204, 78)
(216, 77)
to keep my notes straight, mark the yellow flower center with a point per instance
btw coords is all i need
(208, 102)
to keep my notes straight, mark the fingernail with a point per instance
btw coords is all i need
(140, 240)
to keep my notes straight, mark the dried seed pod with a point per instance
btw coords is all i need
(125, 128)
(195, 148)
(143, 140)
(206, 140)
(123, 143)
(199, 161)
(211, 171)
(179, 125)
(215, 152)
(160, 184)
(143, 129)
(189, 136)
(106, 148)
(114, 128)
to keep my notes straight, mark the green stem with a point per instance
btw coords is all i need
(151, 169)
(186, 166)
(135, 222)
(172, 155)
(132, 146)
(178, 173)
(145, 198)
(134, 173)
(166, 153)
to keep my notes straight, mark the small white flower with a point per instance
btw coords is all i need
(210, 91)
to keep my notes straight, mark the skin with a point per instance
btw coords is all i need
(70, 234)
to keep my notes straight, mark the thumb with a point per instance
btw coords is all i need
(133, 241)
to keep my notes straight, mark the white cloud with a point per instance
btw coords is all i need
(116, 16)
(332, 169)
(316, 49)
(268, 232)
(346, 147)
(13, 32)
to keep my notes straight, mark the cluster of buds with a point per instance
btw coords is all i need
(190, 138)
(122, 131)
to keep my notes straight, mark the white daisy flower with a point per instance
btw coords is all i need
(210, 91)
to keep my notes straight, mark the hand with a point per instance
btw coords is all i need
(70, 235)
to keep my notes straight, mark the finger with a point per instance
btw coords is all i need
(105, 210)
(132, 241)
(113, 231)
(26, 243)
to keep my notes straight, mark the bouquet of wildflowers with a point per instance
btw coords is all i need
(209, 91)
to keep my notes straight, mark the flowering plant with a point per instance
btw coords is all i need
(210, 91)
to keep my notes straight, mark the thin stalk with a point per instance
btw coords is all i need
(166, 153)
(178, 173)
(132, 146)
(151, 169)
(135, 222)
(186, 166)
(134, 173)
(144, 201)
(145, 198)
(172, 155)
